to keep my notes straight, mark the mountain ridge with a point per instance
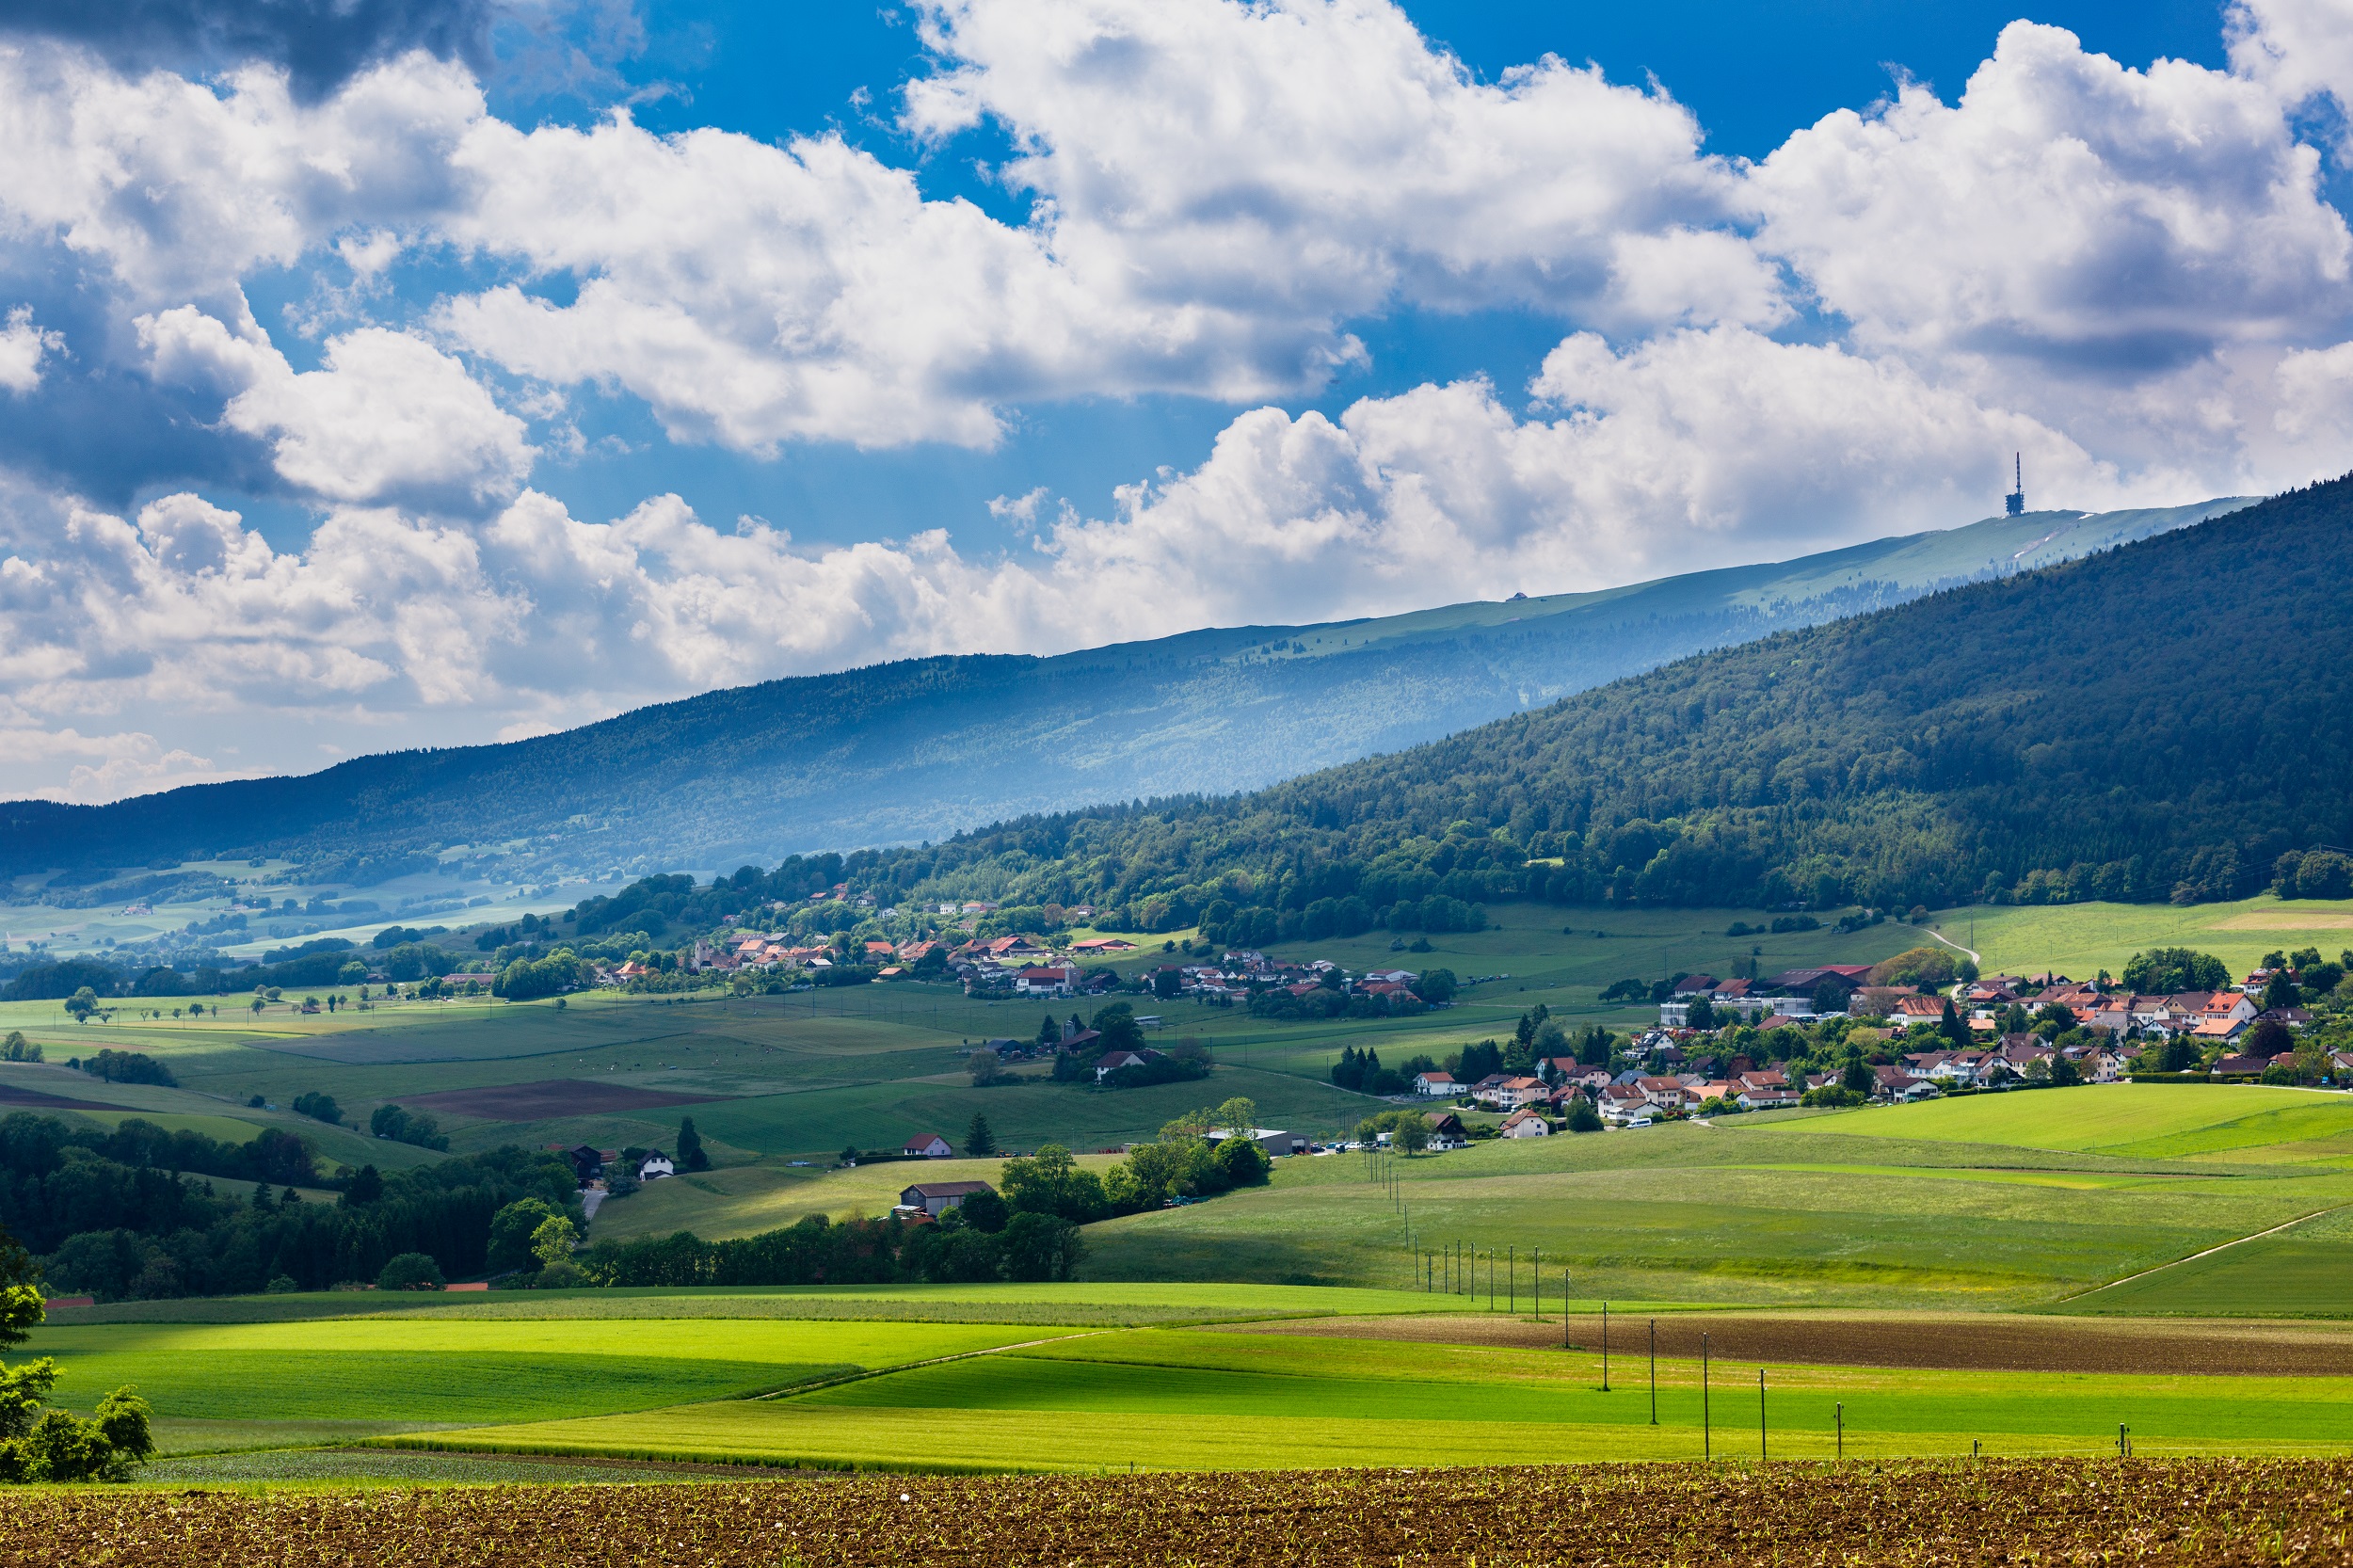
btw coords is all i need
(2169, 719)
(921, 749)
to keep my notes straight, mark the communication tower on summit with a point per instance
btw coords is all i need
(2015, 503)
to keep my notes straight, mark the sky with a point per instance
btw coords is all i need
(378, 373)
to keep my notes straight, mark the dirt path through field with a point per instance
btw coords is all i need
(1955, 1340)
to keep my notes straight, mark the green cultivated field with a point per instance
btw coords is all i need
(2011, 1201)
(232, 1385)
(1172, 1398)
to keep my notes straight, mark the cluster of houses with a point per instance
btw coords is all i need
(1636, 1096)
(2210, 1017)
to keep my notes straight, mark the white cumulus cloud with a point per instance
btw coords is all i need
(23, 346)
(387, 417)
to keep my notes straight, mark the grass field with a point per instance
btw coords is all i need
(2016, 1200)
(1178, 1399)
(435, 1370)
(648, 1375)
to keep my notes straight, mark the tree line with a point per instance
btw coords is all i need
(130, 1215)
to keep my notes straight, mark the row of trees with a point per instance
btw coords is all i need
(128, 1214)
(989, 1244)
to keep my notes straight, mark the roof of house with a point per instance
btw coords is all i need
(924, 1141)
(946, 1189)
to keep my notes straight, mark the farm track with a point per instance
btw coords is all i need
(1958, 1342)
(2144, 1512)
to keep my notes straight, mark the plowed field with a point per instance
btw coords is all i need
(1984, 1342)
(2066, 1511)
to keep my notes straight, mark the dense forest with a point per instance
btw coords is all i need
(2167, 720)
(920, 748)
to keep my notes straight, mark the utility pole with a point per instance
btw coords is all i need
(1654, 1371)
(1707, 1437)
(1604, 1347)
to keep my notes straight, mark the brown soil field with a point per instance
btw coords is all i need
(549, 1098)
(2066, 1511)
(11, 1095)
(1957, 1342)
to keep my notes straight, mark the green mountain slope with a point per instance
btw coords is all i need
(2160, 720)
(923, 748)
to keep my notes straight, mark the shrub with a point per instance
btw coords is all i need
(319, 1108)
(1915, 966)
(410, 1271)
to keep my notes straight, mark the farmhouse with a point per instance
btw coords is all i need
(1526, 1122)
(1437, 1084)
(1050, 980)
(927, 1145)
(936, 1197)
(655, 1166)
(1110, 1062)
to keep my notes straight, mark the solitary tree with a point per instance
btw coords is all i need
(552, 1240)
(979, 1142)
(690, 1147)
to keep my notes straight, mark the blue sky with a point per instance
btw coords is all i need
(1750, 73)
(374, 376)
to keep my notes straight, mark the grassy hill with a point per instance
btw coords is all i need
(2017, 1200)
(923, 748)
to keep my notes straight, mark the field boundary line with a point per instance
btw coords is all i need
(2193, 1258)
(863, 1373)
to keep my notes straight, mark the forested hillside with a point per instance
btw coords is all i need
(923, 748)
(2163, 720)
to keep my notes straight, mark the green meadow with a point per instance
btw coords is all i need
(1174, 1399)
(2015, 1201)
